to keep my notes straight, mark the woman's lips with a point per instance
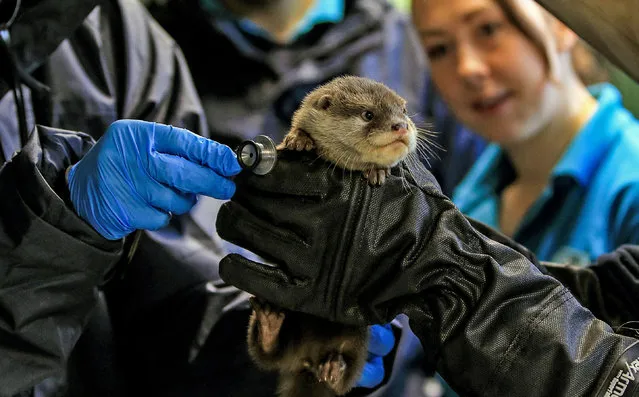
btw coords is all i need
(493, 104)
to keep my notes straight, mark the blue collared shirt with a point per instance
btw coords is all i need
(591, 203)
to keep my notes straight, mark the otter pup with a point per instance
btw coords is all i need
(357, 124)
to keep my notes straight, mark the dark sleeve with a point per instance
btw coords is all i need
(608, 288)
(542, 343)
(159, 86)
(529, 333)
(522, 344)
(51, 262)
(527, 328)
(120, 64)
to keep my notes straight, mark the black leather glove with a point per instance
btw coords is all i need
(359, 254)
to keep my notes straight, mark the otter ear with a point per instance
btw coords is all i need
(324, 102)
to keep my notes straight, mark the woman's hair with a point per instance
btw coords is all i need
(590, 66)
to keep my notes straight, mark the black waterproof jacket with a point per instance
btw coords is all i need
(102, 63)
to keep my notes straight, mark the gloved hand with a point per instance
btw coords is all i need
(139, 173)
(352, 252)
(381, 342)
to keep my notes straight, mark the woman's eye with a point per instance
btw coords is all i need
(489, 29)
(367, 115)
(436, 51)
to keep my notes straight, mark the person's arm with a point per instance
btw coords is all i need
(157, 86)
(50, 261)
(494, 322)
(608, 288)
(146, 75)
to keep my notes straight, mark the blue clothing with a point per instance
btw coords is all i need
(591, 203)
(322, 11)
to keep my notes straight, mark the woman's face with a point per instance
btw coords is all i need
(489, 73)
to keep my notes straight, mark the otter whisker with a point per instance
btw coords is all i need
(350, 158)
(426, 132)
(427, 129)
(316, 158)
(426, 151)
(429, 146)
(425, 154)
(427, 135)
(338, 161)
(345, 167)
(433, 144)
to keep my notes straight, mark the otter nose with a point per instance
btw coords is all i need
(400, 127)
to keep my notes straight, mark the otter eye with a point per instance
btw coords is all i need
(367, 115)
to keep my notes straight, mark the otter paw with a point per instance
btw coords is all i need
(298, 140)
(376, 176)
(269, 322)
(333, 372)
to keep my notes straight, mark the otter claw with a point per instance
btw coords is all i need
(298, 140)
(269, 322)
(332, 371)
(376, 176)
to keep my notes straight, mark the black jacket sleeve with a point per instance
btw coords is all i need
(608, 288)
(50, 261)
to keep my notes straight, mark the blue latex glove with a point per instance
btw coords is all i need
(139, 173)
(381, 342)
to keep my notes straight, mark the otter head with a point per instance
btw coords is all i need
(357, 123)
